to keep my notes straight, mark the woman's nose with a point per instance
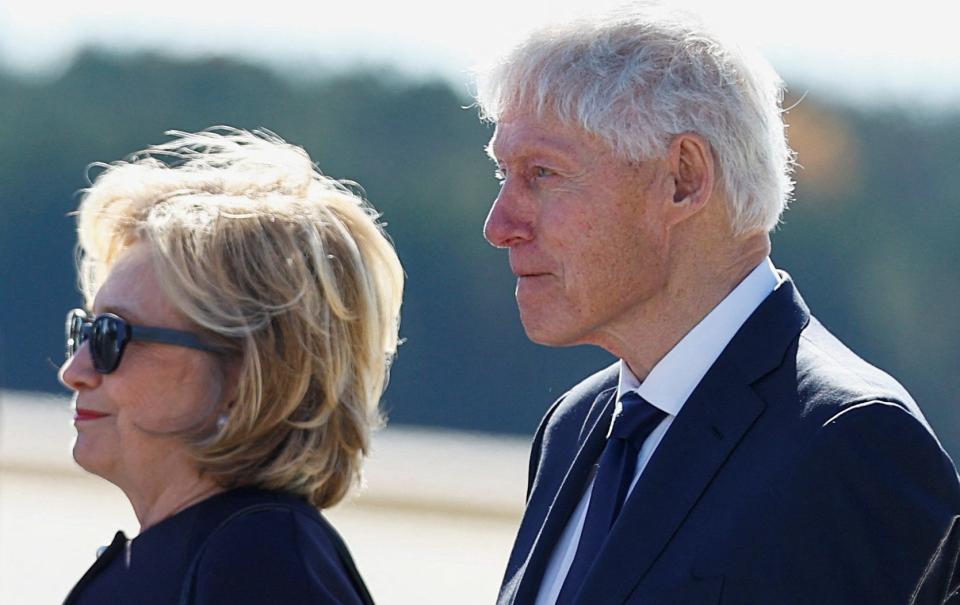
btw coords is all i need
(78, 372)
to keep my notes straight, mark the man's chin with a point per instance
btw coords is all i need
(548, 336)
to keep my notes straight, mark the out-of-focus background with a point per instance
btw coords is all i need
(380, 94)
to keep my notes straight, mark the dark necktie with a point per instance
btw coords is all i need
(618, 462)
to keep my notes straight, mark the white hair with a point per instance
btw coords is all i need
(640, 75)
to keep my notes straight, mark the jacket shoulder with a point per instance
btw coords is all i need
(831, 378)
(274, 555)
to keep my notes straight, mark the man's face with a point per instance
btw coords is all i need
(585, 230)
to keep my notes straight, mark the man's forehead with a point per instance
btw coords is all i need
(525, 134)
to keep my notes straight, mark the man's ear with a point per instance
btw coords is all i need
(694, 172)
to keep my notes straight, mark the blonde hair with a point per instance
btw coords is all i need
(259, 249)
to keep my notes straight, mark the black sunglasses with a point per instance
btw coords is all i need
(109, 334)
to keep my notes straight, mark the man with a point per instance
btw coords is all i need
(737, 452)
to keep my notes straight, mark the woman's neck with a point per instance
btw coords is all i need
(153, 506)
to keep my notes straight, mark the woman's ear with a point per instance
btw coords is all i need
(231, 368)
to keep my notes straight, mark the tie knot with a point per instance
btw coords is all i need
(635, 419)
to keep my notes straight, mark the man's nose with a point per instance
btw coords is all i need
(510, 220)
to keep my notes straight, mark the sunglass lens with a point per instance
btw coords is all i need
(106, 343)
(74, 332)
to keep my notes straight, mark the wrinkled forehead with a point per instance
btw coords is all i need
(518, 134)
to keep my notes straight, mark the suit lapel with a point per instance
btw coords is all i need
(530, 575)
(706, 431)
(700, 439)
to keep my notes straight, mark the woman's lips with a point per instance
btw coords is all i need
(85, 414)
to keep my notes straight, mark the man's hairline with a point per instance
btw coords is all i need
(567, 122)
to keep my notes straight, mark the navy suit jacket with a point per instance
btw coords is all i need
(795, 473)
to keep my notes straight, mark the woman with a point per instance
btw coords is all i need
(243, 313)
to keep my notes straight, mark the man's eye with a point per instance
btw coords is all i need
(540, 171)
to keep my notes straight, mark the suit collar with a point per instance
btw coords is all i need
(672, 380)
(760, 345)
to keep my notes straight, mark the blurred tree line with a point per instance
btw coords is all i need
(869, 241)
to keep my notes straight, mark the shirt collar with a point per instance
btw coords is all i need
(673, 378)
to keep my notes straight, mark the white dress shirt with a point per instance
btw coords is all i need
(667, 387)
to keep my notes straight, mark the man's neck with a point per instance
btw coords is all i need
(693, 290)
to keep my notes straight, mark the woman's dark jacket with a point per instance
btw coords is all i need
(241, 547)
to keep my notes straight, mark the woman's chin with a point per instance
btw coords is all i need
(88, 456)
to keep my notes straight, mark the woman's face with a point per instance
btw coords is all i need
(128, 421)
